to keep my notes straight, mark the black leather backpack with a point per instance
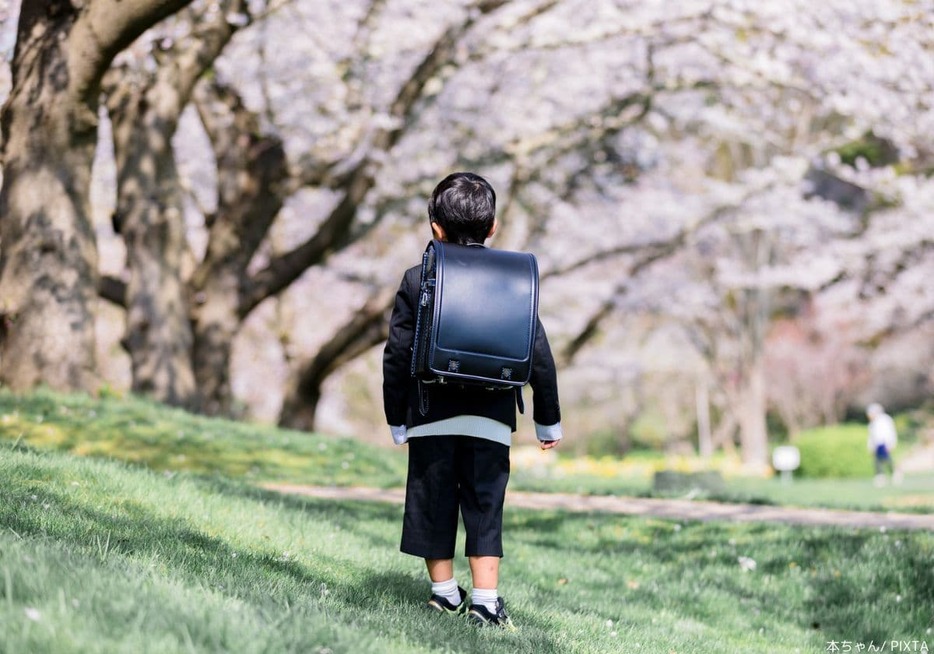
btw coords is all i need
(476, 317)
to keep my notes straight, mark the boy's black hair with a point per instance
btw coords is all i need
(463, 204)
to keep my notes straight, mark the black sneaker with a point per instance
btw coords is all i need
(441, 605)
(482, 616)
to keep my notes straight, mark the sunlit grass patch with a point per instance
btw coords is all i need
(534, 470)
(165, 439)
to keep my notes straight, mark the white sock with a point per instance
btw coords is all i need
(447, 590)
(485, 596)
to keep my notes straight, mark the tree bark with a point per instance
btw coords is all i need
(145, 108)
(149, 218)
(754, 314)
(48, 262)
(252, 172)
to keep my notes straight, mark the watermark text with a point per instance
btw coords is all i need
(847, 646)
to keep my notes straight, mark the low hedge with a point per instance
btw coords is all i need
(834, 452)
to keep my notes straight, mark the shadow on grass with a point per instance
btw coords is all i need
(856, 585)
(387, 603)
(404, 592)
(350, 515)
(134, 532)
(163, 438)
(453, 633)
(871, 590)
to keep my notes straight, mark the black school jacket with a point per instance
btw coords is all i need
(400, 389)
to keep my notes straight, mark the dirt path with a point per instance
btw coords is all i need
(656, 508)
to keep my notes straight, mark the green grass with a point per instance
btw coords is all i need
(142, 432)
(914, 495)
(100, 556)
(139, 431)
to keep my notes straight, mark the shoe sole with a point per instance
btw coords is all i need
(438, 608)
(479, 620)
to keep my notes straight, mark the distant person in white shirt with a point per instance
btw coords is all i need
(881, 442)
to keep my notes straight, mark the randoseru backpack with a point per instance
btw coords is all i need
(476, 316)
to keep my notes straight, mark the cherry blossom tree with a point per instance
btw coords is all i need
(814, 370)
(253, 183)
(694, 137)
(777, 116)
(710, 164)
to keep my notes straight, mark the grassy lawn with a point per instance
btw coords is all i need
(164, 439)
(171, 547)
(100, 556)
(915, 494)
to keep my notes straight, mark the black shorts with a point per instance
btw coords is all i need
(447, 473)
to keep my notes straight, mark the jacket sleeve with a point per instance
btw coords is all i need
(546, 409)
(397, 355)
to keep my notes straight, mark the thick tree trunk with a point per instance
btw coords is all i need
(300, 408)
(252, 173)
(755, 315)
(216, 322)
(145, 107)
(48, 262)
(149, 217)
(48, 266)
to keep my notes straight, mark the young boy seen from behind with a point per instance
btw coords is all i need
(459, 446)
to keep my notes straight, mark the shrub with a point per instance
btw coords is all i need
(650, 430)
(835, 451)
(912, 426)
(606, 442)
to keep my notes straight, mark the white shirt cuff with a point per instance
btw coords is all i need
(399, 435)
(546, 433)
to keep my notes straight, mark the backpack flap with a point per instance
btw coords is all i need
(484, 315)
